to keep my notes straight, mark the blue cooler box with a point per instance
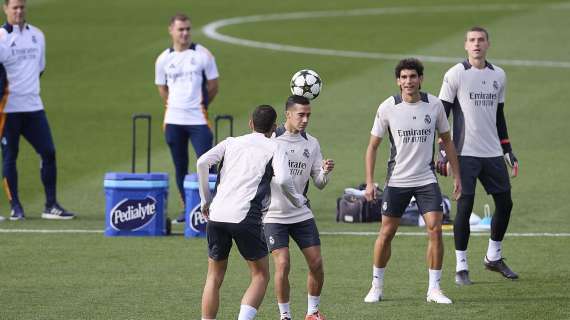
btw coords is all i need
(195, 225)
(135, 204)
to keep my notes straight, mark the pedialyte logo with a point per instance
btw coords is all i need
(133, 214)
(197, 222)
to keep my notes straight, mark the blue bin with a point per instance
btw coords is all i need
(136, 204)
(195, 225)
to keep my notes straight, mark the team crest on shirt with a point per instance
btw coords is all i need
(306, 153)
(34, 39)
(193, 61)
(172, 66)
(427, 119)
(496, 85)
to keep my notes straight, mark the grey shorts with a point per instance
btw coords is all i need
(396, 199)
(304, 233)
(248, 237)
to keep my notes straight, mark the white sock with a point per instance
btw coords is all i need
(461, 260)
(378, 277)
(313, 304)
(284, 310)
(246, 312)
(208, 319)
(434, 278)
(494, 250)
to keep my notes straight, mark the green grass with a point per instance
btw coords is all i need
(100, 70)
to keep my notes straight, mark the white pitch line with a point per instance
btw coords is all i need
(50, 231)
(211, 31)
(415, 234)
(326, 233)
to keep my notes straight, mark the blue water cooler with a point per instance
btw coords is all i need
(195, 225)
(136, 204)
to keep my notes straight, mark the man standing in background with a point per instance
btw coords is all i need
(22, 111)
(187, 79)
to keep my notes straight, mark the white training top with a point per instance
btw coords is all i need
(411, 128)
(475, 94)
(23, 58)
(305, 161)
(248, 163)
(185, 73)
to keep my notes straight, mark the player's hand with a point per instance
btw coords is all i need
(370, 192)
(328, 165)
(205, 210)
(457, 188)
(442, 165)
(512, 163)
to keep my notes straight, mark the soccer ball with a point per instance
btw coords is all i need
(306, 83)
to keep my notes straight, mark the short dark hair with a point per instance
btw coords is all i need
(409, 64)
(7, 2)
(295, 99)
(478, 29)
(179, 16)
(263, 118)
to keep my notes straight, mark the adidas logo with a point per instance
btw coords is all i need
(13, 44)
(172, 66)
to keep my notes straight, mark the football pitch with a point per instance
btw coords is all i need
(100, 70)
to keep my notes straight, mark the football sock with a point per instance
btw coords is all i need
(284, 310)
(461, 228)
(208, 319)
(500, 221)
(246, 312)
(378, 276)
(434, 278)
(494, 250)
(313, 304)
(461, 260)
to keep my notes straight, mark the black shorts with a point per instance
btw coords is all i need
(396, 199)
(304, 233)
(248, 237)
(492, 172)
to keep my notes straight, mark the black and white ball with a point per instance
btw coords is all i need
(306, 83)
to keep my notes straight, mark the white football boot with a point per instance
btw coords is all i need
(437, 296)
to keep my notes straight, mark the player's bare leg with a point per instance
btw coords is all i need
(211, 294)
(253, 296)
(281, 259)
(382, 253)
(315, 280)
(434, 257)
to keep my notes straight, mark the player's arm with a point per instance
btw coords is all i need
(212, 87)
(449, 148)
(508, 154)
(207, 160)
(370, 163)
(283, 178)
(163, 92)
(321, 169)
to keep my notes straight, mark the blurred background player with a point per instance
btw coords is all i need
(22, 111)
(284, 219)
(410, 119)
(187, 79)
(474, 91)
(247, 166)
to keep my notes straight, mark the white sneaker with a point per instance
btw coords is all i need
(437, 296)
(374, 295)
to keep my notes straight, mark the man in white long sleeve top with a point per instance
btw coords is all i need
(284, 219)
(247, 165)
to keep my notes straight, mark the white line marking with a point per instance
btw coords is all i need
(326, 233)
(211, 31)
(415, 234)
(50, 231)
